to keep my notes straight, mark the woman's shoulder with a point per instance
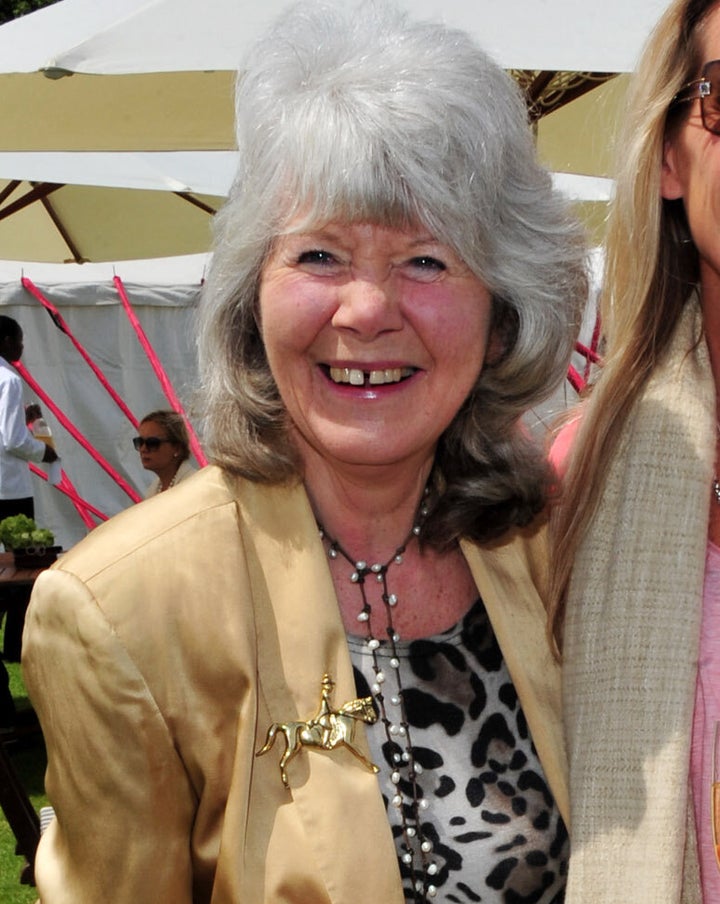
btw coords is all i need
(202, 518)
(520, 553)
(186, 469)
(169, 520)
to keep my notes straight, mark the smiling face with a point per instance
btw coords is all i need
(375, 337)
(691, 171)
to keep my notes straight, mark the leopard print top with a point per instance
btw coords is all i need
(497, 835)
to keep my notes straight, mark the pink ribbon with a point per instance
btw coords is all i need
(75, 433)
(62, 325)
(82, 506)
(159, 370)
(576, 381)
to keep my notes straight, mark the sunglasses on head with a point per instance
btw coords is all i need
(150, 442)
(707, 88)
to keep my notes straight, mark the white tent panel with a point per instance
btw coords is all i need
(84, 280)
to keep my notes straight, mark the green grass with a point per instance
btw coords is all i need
(29, 761)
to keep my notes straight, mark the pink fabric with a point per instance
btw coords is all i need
(75, 433)
(562, 445)
(707, 713)
(170, 393)
(62, 325)
(82, 506)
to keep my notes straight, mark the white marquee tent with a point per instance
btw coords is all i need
(164, 295)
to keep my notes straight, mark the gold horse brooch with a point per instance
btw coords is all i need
(329, 729)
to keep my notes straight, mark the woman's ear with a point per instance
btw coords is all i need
(496, 348)
(671, 183)
(503, 332)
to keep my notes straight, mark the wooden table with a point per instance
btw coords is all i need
(15, 586)
(9, 574)
(16, 577)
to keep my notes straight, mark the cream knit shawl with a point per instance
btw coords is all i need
(631, 641)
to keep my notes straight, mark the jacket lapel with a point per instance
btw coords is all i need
(300, 638)
(507, 575)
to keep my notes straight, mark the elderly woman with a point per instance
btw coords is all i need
(317, 671)
(164, 448)
(641, 518)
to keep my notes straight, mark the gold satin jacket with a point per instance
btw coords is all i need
(157, 654)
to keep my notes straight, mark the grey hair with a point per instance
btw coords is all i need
(352, 112)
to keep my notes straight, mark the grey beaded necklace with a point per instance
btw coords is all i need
(416, 846)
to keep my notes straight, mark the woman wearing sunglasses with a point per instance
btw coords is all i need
(164, 448)
(637, 577)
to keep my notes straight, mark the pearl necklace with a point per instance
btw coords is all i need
(161, 488)
(416, 846)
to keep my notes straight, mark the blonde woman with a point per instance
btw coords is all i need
(637, 579)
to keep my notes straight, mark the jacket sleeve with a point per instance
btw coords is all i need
(123, 801)
(16, 439)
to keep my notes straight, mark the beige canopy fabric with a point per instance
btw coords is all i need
(158, 74)
(59, 208)
(143, 112)
(87, 223)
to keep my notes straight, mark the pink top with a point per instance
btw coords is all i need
(707, 713)
(561, 447)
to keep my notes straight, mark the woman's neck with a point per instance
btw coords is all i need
(167, 475)
(370, 515)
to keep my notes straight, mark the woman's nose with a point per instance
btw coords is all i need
(368, 306)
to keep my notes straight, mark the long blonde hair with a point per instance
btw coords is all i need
(651, 267)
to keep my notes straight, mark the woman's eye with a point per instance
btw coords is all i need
(316, 257)
(426, 266)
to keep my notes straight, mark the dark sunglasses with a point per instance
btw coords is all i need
(150, 442)
(707, 88)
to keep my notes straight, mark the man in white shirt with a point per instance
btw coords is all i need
(17, 444)
(17, 448)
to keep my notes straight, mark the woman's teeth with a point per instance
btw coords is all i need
(356, 377)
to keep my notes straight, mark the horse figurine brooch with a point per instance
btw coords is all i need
(327, 730)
